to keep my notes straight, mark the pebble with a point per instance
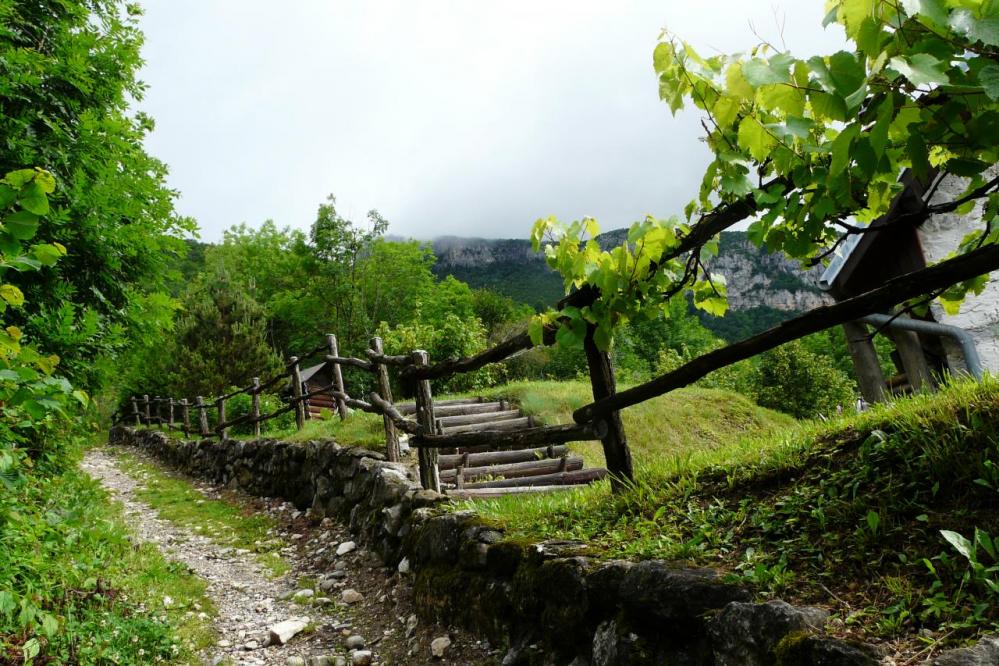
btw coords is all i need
(350, 596)
(251, 645)
(355, 642)
(345, 547)
(404, 566)
(439, 646)
(361, 657)
(303, 596)
(282, 632)
(294, 661)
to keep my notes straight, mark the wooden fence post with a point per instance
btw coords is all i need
(616, 451)
(135, 411)
(255, 407)
(220, 406)
(296, 392)
(392, 451)
(170, 422)
(186, 412)
(334, 350)
(202, 417)
(149, 416)
(429, 474)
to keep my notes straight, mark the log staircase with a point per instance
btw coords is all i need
(480, 472)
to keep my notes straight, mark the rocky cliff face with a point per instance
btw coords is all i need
(755, 278)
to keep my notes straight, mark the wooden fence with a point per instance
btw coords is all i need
(426, 432)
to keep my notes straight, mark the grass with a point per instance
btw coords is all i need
(810, 512)
(225, 522)
(680, 429)
(75, 589)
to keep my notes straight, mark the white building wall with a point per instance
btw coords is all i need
(979, 315)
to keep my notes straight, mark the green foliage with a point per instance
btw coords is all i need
(220, 341)
(794, 380)
(444, 338)
(67, 78)
(34, 398)
(495, 310)
(241, 404)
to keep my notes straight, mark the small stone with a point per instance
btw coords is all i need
(345, 547)
(439, 646)
(411, 623)
(355, 642)
(251, 645)
(361, 657)
(324, 660)
(404, 566)
(282, 632)
(351, 596)
(340, 566)
(303, 596)
(224, 643)
(294, 661)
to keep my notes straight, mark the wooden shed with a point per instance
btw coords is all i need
(929, 346)
(313, 379)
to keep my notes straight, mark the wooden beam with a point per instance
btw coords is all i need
(517, 469)
(556, 479)
(392, 450)
(526, 438)
(337, 373)
(429, 474)
(617, 454)
(466, 419)
(866, 365)
(502, 424)
(450, 461)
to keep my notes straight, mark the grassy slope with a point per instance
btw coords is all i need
(811, 512)
(686, 427)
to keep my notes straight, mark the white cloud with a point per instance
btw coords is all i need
(450, 117)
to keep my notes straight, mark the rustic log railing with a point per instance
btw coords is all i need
(468, 428)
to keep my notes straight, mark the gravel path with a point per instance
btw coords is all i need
(378, 626)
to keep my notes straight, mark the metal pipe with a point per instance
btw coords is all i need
(958, 335)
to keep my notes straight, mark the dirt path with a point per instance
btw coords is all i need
(378, 626)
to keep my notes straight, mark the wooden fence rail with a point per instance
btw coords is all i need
(461, 417)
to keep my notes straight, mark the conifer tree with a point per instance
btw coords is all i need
(220, 340)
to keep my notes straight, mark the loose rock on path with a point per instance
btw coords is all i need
(351, 611)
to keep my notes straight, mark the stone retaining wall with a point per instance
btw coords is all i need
(547, 602)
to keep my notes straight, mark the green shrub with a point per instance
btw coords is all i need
(801, 383)
(239, 406)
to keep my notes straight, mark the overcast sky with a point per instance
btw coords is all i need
(450, 117)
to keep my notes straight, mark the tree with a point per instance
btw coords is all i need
(220, 341)
(794, 380)
(67, 79)
(804, 146)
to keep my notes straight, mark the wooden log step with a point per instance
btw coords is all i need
(466, 419)
(451, 461)
(515, 470)
(514, 439)
(410, 407)
(476, 408)
(558, 479)
(492, 426)
(489, 493)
